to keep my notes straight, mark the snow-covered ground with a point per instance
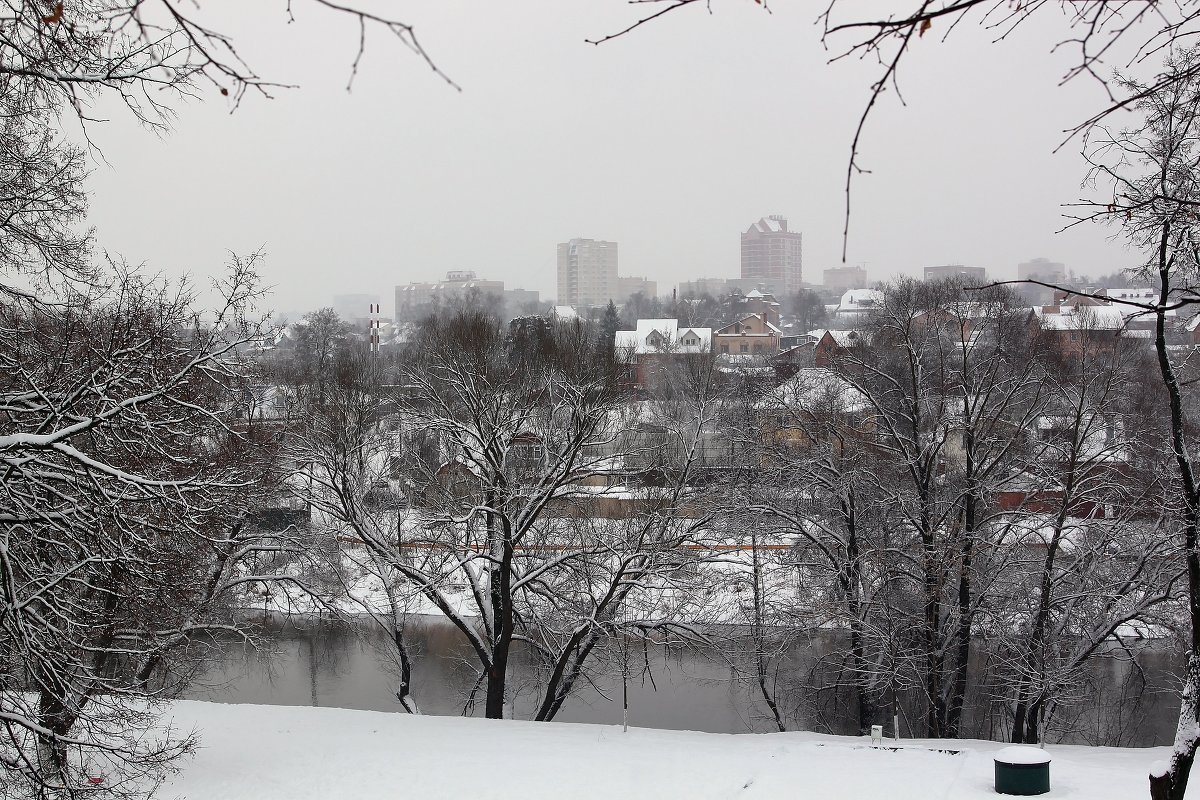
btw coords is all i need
(302, 753)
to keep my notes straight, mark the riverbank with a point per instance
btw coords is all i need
(252, 752)
(345, 664)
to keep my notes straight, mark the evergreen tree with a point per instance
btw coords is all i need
(610, 323)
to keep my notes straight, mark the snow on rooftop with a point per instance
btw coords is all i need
(816, 388)
(849, 338)
(1038, 530)
(1127, 304)
(1141, 294)
(662, 336)
(1075, 318)
(860, 300)
(771, 224)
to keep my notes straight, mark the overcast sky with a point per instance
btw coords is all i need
(670, 141)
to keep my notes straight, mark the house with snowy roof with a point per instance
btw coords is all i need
(813, 396)
(1191, 330)
(751, 334)
(564, 313)
(857, 306)
(800, 354)
(754, 301)
(834, 344)
(1073, 329)
(650, 349)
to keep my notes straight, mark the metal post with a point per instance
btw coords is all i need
(624, 702)
(625, 671)
(373, 339)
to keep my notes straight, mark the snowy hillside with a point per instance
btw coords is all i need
(299, 753)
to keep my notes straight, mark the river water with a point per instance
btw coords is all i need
(322, 663)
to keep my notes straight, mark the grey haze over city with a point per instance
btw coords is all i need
(669, 141)
(512, 401)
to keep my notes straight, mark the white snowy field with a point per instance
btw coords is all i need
(301, 753)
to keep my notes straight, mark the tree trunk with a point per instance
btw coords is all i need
(934, 659)
(497, 674)
(567, 669)
(852, 586)
(1033, 721)
(866, 709)
(1172, 785)
(758, 634)
(500, 585)
(1174, 782)
(52, 752)
(404, 688)
(958, 692)
(1020, 713)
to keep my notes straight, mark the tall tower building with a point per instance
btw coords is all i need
(771, 255)
(587, 273)
(1042, 270)
(968, 275)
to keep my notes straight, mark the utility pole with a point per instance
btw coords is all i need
(373, 338)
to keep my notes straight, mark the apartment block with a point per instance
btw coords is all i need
(587, 273)
(771, 256)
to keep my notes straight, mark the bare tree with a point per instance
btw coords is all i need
(904, 375)
(41, 194)
(952, 390)
(813, 491)
(126, 527)
(147, 53)
(1085, 556)
(1149, 177)
(342, 441)
(503, 449)
(124, 534)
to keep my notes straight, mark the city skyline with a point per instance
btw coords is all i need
(667, 150)
(908, 467)
(831, 279)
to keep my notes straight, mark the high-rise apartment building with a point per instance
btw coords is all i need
(968, 275)
(628, 287)
(1042, 269)
(771, 256)
(354, 308)
(843, 278)
(415, 299)
(587, 273)
(1045, 271)
(714, 287)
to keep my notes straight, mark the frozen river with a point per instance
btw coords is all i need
(319, 663)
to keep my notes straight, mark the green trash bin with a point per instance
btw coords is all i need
(1022, 770)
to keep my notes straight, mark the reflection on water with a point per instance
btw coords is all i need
(322, 663)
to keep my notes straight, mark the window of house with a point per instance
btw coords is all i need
(745, 348)
(527, 453)
(725, 349)
(758, 348)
